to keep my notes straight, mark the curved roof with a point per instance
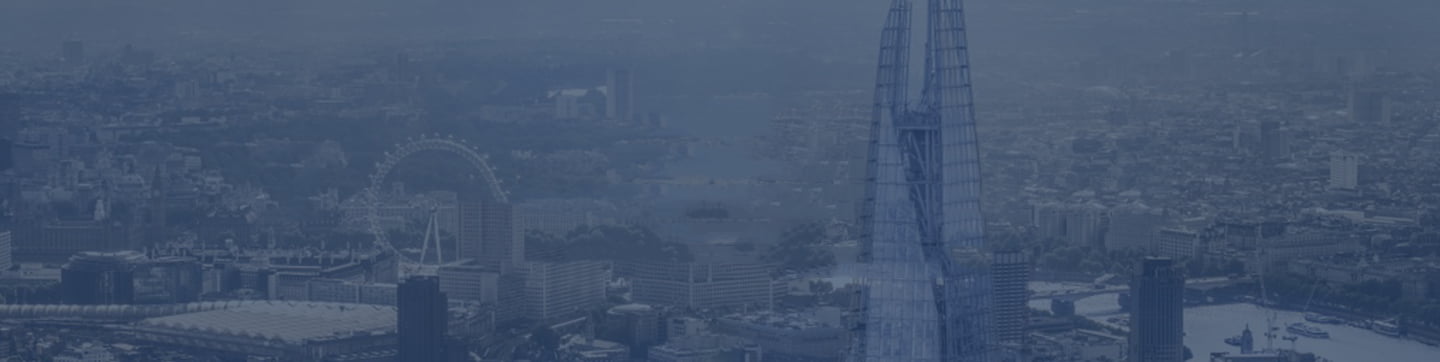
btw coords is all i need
(290, 322)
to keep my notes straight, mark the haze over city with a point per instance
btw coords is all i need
(724, 180)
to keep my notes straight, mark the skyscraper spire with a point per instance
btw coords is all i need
(927, 294)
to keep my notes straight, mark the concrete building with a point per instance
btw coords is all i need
(421, 320)
(582, 349)
(1274, 141)
(1077, 224)
(1344, 171)
(1177, 243)
(785, 337)
(1081, 345)
(168, 280)
(556, 290)
(1010, 278)
(706, 349)
(567, 103)
(686, 326)
(635, 325)
(1305, 246)
(620, 95)
(86, 353)
(1369, 106)
(700, 285)
(467, 280)
(100, 278)
(1157, 330)
(7, 242)
(343, 291)
(58, 240)
(1132, 226)
(502, 248)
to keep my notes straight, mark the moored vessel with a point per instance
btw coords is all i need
(1307, 330)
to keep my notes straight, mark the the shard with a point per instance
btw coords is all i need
(926, 294)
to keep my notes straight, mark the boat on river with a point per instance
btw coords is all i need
(1386, 327)
(1307, 330)
(1322, 319)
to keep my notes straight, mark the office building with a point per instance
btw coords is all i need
(100, 278)
(1131, 226)
(1010, 272)
(487, 233)
(168, 280)
(1157, 312)
(700, 285)
(1344, 171)
(1274, 141)
(1177, 243)
(56, 241)
(1369, 106)
(1077, 224)
(467, 280)
(567, 105)
(561, 289)
(620, 95)
(7, 242)
(351, 292)
(706, 348)
(502, 249)
(468, 239)
(422, 320)
(637, 326)
(786, 336)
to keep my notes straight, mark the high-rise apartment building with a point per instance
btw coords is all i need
(487, 233)
(468, 239)
(1157, 327)
(501, 247)
(620, 95)
(1010, 272)
(7, 242)
(422, 320)
(1274, 141)
(1344, 171)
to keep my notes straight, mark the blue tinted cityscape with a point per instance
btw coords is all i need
(720, 180)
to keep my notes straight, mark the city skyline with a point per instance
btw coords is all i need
(738, 180)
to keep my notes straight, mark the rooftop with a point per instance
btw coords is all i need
(290, 322)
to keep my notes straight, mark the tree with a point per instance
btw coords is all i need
(802, 248)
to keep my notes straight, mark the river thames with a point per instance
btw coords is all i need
(1206, 328)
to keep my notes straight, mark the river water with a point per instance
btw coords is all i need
(1206, 328)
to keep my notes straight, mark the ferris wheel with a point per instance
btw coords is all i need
(490, 191)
